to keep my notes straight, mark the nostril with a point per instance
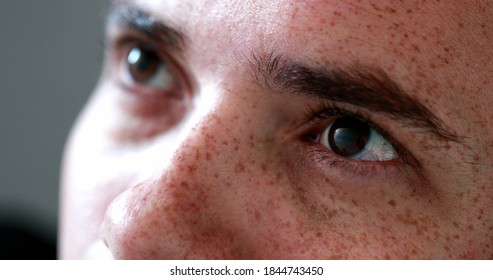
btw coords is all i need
(105, 242)
(98, 251)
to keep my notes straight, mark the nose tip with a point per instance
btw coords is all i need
(121, 227)
(144, 222)
(152, 221)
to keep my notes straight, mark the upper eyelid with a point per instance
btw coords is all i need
(122, 38)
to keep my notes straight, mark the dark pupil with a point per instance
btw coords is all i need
(348, 136)
(142, 63)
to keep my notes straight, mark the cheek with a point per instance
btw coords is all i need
(92, 176)
(348, 217)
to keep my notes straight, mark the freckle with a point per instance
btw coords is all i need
(461, 25)
(208, 156)
(470, 227)
(392, 203)
(409, 11)
(264, 167)
(210, 136)
(354, 202)
(192, 168)
(216, 175)
(257, 214)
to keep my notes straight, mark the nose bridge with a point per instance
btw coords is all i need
(170, 213)
(221, 141)
(206, 148)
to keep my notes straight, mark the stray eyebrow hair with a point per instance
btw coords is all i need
(359, 85)
(124, 15)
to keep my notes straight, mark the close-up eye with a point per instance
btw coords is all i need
(143, 66)
(151, 86)
(353, 139)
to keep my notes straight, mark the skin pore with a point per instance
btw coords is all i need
(219, 148)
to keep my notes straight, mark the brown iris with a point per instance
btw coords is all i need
(348, 136)
(143, 63)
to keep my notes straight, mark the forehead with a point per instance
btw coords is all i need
(406, 38)
(327, 26)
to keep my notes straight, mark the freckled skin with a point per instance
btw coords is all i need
(224, 174)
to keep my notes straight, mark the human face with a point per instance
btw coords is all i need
(286, 130)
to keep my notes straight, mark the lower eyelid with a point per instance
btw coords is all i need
(143, 124)
(151, 107)
(364, 169)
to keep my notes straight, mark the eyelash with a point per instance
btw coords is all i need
(320, 117)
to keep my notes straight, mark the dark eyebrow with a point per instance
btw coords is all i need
(125, 15)
(363, 86)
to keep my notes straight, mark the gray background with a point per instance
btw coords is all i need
(50, 59)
